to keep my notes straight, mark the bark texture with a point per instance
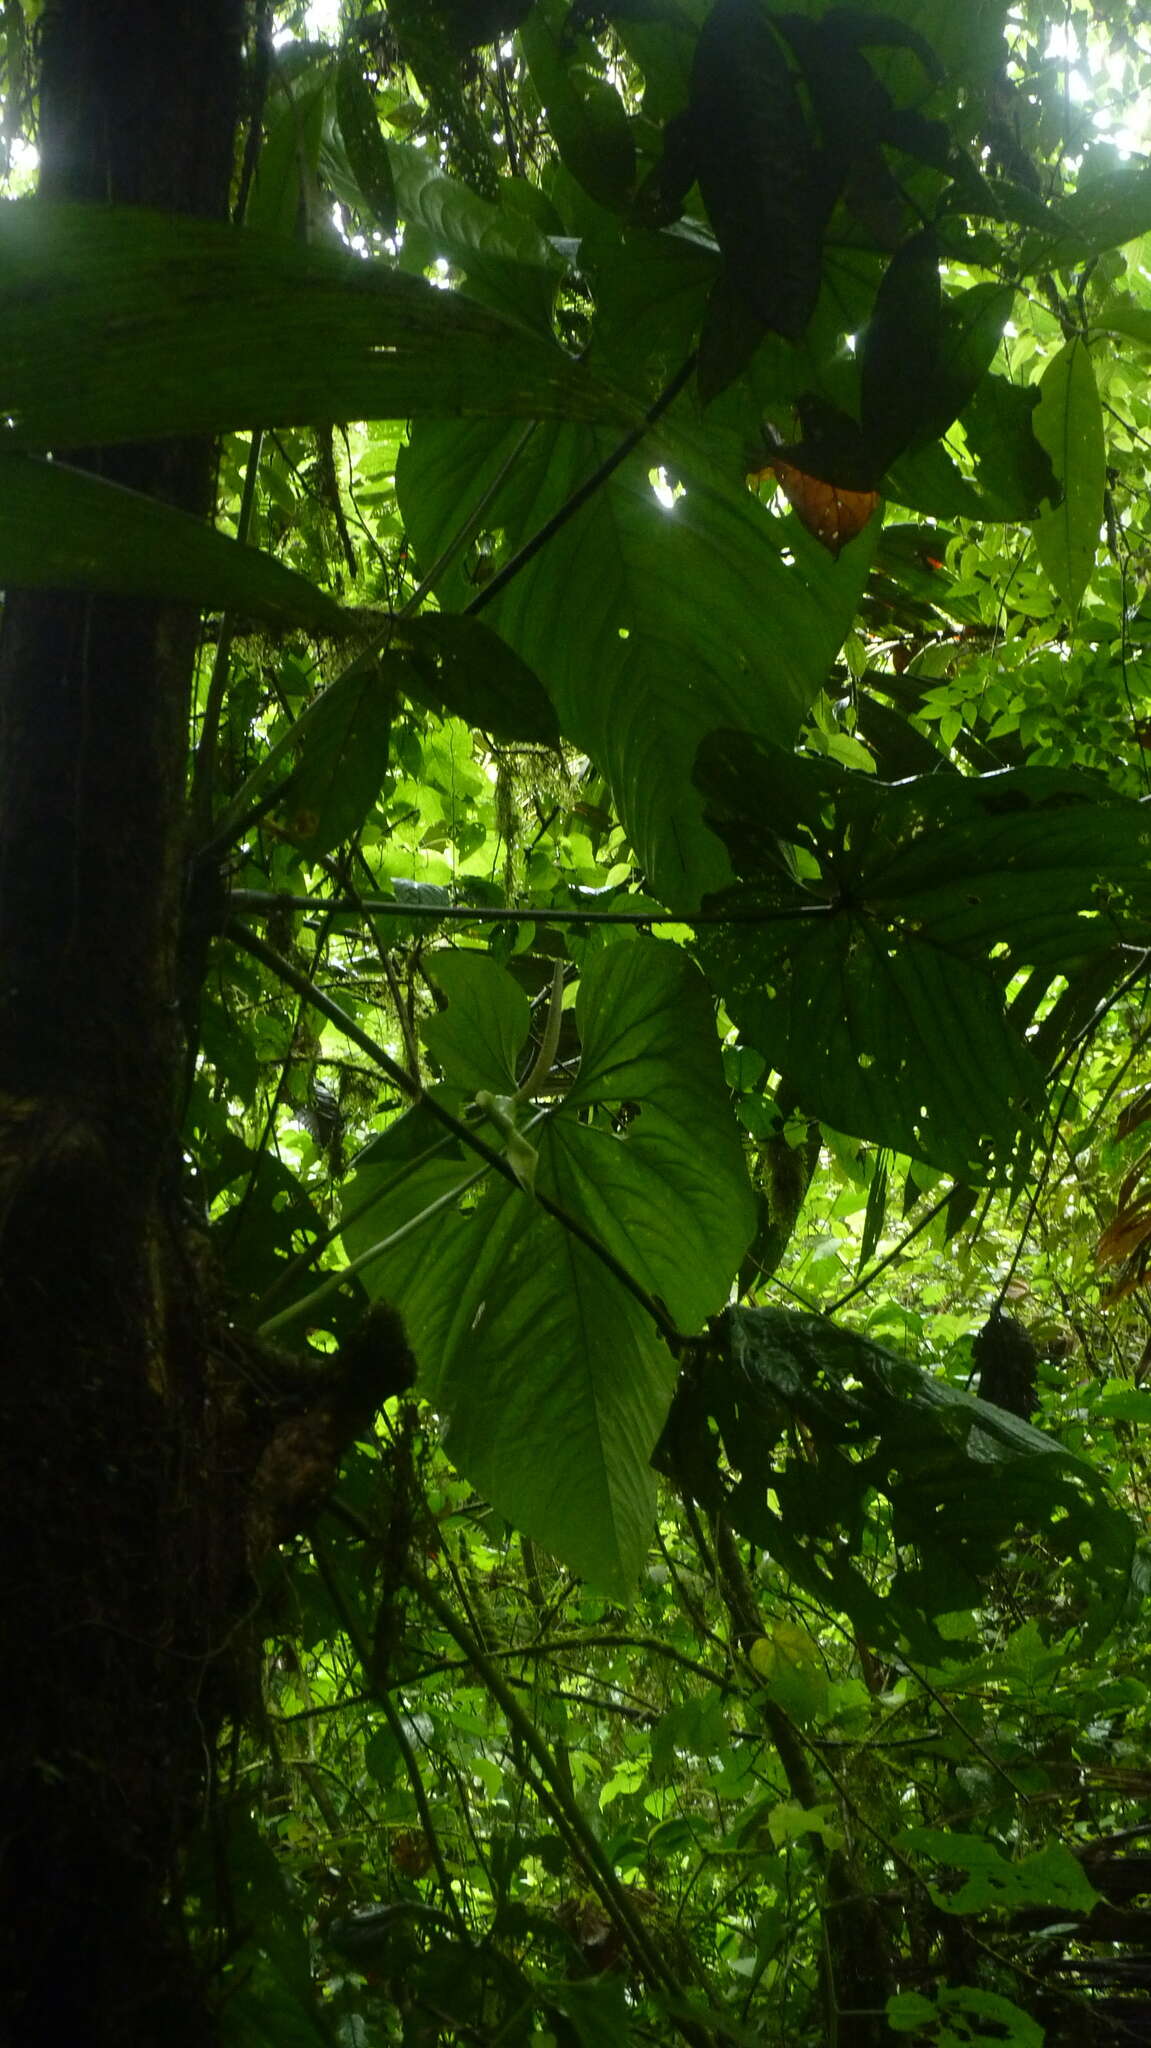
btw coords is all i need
(116, 1585)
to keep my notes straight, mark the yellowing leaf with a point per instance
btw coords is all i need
(789, 1663)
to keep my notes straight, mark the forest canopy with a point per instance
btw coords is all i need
(575, 719)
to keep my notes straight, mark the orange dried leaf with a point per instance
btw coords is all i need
(829, 512)
(1132, 1277)
(1134, 1113)
(1127, 1232)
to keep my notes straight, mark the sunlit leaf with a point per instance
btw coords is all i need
(1068, 423)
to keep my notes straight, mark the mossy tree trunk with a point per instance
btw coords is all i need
(116, 1581)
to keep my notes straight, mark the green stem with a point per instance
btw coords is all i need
(335, 1281)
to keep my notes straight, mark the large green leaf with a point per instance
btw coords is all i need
(553, 1380)
(1068, 423)
(553, 1376)
(669, 1196)
(65, 529)
(817, 1421)
(289, 153)
(120, 324)
(647, 627)
(877, 983)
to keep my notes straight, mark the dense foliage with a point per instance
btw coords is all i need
(665, 1100)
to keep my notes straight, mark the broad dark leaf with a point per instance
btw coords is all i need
(365, 145)
(210, 328)
(584, 110)
(972, 332)
(876, 984)
(899, 361)
(343, 758)
(459, 665)
(761, 175)
(818, 1423)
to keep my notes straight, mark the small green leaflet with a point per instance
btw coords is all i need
(1068, 423)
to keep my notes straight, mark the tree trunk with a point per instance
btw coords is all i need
(119, 1579)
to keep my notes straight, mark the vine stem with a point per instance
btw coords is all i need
(471, 913)
(203, 767)
(319, 1245)
(350, 1621)
(600, 1871)
(334, 1281)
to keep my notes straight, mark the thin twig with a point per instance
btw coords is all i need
(350, 1623)
(600, 1870)
(269, 900)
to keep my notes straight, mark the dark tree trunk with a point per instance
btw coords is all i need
(116, 1585)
